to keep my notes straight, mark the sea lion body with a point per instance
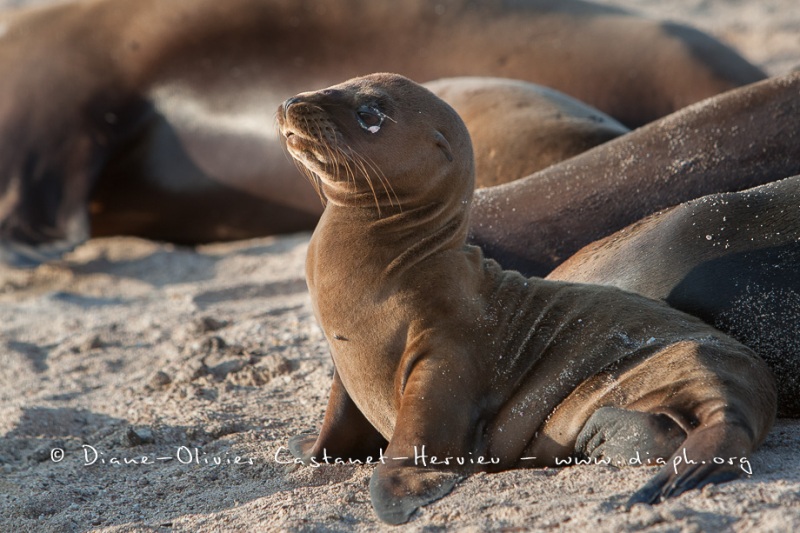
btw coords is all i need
(436, 346)
(534, 224)
(153, 111)
(729, 259)
(518, 128)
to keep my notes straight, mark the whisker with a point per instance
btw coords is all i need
(387, 185)
(365, 171)
(351, 173)
(330, 153)
(312, 178)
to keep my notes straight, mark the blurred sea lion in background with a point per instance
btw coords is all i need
(159, 113)
(518, 128)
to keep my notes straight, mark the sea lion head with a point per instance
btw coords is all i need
(382, 141)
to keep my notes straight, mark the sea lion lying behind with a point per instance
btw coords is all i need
(435, 346)
(736, 140)
(730, 259)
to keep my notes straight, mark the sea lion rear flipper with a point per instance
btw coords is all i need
(345, 432)
(626, 437)
(667, 485)
(714, 454)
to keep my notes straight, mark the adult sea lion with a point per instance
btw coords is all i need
(518, 128)
(436, 347)
(153, 111)
(740, 139)
(730, 259)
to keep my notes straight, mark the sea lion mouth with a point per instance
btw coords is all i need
(311, 154)
(307, 149)
(309, 138)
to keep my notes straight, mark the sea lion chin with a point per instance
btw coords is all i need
(435, 346)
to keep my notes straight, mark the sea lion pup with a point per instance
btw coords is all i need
(435, 346)
(146, 117)
(518, 128)
(730, 259)
(734, 141)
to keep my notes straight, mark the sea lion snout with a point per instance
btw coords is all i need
(284, 107)
(325, 96)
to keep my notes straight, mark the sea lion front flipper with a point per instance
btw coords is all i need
(626, 437)
(713, 454)
(399, 491)
(345, 432)
(431, 435)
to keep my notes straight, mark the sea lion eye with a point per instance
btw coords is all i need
(369, 118)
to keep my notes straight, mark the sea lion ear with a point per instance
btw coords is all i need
(444, 146)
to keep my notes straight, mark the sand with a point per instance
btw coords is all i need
(130, 349)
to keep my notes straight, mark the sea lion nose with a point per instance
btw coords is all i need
(284, 108)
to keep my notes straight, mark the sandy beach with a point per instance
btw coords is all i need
(153, 387)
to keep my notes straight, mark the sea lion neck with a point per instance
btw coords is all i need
(395, 240)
